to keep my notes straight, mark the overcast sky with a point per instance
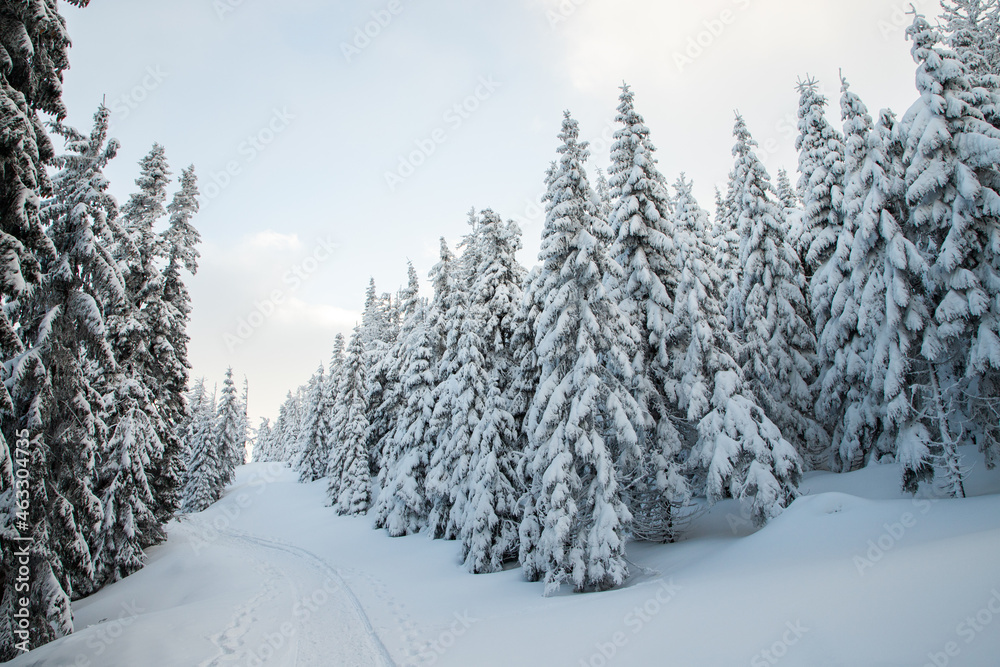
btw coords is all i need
(336, 140)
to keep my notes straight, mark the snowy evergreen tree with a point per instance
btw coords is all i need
(741, 453)
(821, 173)
(136, 329)
(64, 324)
(393, 398)
(314, 453)
(738, 451)
(488, 519)
(402, 506)
(350, 479)
(603, 191)
(54, 400)
(378, 334)
(698, 330)
(452, 423)
(460, 398)
(821, 170)
(443, 276)
(725, 232)
(859, 340)
(178, 246)
(262, 443)
(786, 194)
(779, 358)
(126, 497)
(951, 188)
(230, 433)
(643, 287)
(287, 428)
(972, 30)
(205, 464)
(587, 418)
(34, 43)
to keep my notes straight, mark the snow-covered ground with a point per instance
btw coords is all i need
(853, 574)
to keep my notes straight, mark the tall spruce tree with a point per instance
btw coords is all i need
(846, 402)
(489, 520)
(578, 520)
(313, 439)
(452, 423)
(178, 246)
(205, 463)
(779, 352)
(230, 432)
(952, 185)
(394, 400)
(350, 479)
(63, 324)
(644, 286)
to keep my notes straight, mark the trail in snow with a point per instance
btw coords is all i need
(221, 594)
(331, 601)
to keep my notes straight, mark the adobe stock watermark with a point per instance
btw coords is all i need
(895, 24)
(712, 31)
(225, 7)
(264, 309)
(563, 11)
(21, 560)
(232, 508)
(107, 633)
(433, 650)
(635, 620)
(121, 107)
(773, 654)
(456, 116)
(302, 610)
(891, 535)
(967, 630)
(247, 151)
(365, 35)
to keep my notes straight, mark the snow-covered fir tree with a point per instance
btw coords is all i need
(286, 429)
(313, 445)
(136, 329)
(230, 433)
(178, 246)
(972, 29)
(350, 479)
(205, 463)
(821, 170)
(951, 188)
(452, 423)
(35, 44)
(644, 248)
(488, 523)
(858, 330)
(394, 399)
(738, 451)
(263, 442)
(402, 506)
(461, 395)
(726, 235)
(575, 527)
(785, 192)
(379, 330)
(126, 497)
(58, 400)
(779, 349)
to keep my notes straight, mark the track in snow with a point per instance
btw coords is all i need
(316, 620)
